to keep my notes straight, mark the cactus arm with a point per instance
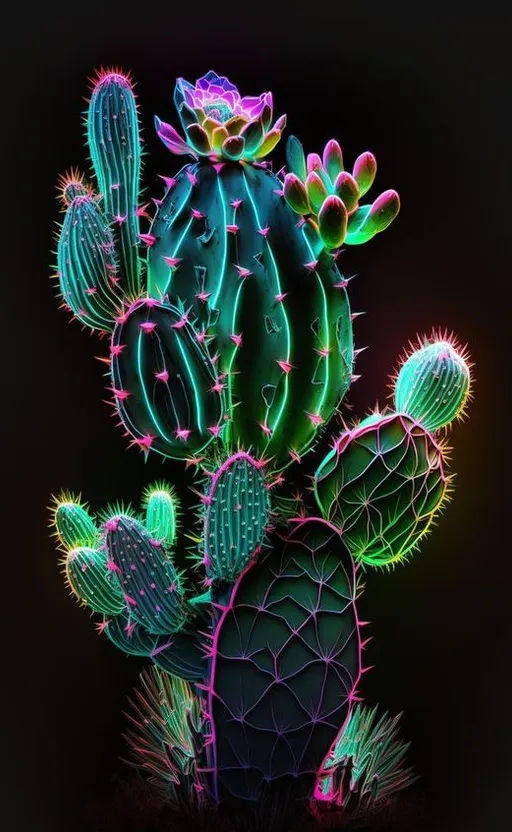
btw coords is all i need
(114, 143)
(87, 265)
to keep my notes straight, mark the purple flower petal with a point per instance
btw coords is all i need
(171, 138)
(211, 77)
(189, 97)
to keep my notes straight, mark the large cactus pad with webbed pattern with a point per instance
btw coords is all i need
(286, 662)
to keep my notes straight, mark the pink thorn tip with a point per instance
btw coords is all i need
(163, 375)
(115, 186)
(243, 272)
(311, 266)
(286, 367)
(342, 284)
(192, 178)
(232, 229)
(173, 261)
(181, 323)
(116, 349)
(201, 337)
(301, 222)
(218, 167)
(120, 394)
(279, 191)
(324, 351)
(148, 326)
(145, 441)
(295, 456)
(203, 296)
(168, 181)
(182, 433)
(208, 582)
(215, 430)
(91, 291)
(149, 239)
(355, 315)
(197, 214)
(264, 231)
(265, 429)
(354, 378)
(158, 202)
(281, 297)
(218, 387)
(111, 565)
(111, 525)
(120, 219)
(206, 499)
(142, 212)
(315, 418)
(236, 203)
(237, 339)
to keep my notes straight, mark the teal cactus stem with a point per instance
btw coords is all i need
(74, 525)
(433, 383)
(151, 585)
(115, 147)
(93, 581)
(236, 517)
(165, 386)
(161, 516)
(227, 244)
(87, 264)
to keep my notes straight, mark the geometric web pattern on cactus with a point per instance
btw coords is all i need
(230, 347)
(381, 485)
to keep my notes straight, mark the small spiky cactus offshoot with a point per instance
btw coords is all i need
(230, 348)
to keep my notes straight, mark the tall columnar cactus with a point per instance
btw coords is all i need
(231, 349)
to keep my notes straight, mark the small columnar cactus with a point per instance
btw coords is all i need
(230, 348)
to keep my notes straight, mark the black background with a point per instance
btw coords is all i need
(430, 97)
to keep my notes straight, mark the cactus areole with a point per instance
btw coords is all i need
(230, 348)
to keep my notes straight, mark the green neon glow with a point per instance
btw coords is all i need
(284, 397)
(142, 377)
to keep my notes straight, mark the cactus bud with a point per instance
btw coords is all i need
(433, 382)
(332, 222)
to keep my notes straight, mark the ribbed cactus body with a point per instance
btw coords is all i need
(286, 662)
(381, 485)
(164, 382)
(75, 526)
(114, 142)
(433, 384)
(228, 246)
(93, 582)
(87, 264)
(161, 511)
(237, 507)
(150, 583)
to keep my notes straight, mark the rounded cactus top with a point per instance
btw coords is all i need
(72, 185)
(220, 124)
(433, 383)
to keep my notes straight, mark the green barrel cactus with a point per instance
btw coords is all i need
(230, 348)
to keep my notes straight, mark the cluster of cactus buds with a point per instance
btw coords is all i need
(328, 196)
(230, 347)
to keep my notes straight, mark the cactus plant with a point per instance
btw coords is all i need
(231, 349)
